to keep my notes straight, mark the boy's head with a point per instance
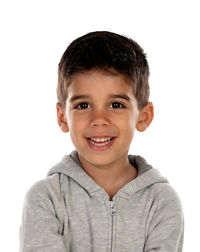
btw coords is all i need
(103, 96)
(105, 50)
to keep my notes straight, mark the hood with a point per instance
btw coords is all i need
(71, 167)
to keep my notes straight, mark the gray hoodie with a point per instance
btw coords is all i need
(68, 211)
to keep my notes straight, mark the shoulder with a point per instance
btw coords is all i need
(47, 189)
(166, 194)
(168, 202)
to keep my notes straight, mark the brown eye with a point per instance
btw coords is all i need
(83, 105)
(117, 105)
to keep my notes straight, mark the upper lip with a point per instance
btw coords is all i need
(99, 136)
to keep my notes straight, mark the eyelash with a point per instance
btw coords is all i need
(78, 105)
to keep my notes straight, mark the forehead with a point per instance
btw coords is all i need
(97, 80)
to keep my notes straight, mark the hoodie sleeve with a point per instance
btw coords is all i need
(41, 229)
(166, 229)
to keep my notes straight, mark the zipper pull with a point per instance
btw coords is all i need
(112, 208)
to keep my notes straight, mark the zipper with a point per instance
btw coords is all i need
(113, 213)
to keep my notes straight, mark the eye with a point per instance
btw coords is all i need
(117, 105)
(82, 105)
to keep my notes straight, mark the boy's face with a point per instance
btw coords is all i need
(101, 106)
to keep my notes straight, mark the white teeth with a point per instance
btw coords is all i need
(100, 143)
(105, 139)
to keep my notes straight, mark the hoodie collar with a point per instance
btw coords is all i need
(147, 175)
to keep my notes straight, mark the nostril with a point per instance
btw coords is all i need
(99, 123)
(99, 119)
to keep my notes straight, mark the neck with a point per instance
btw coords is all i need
(111, 177)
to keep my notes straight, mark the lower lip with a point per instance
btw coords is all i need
(100, 148)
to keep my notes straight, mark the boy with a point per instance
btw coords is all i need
(99, 198)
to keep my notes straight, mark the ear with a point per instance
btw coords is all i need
(145, 117)
(62, 122)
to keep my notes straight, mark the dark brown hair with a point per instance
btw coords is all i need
(105, 50)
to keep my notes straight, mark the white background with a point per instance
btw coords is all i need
(34, 34)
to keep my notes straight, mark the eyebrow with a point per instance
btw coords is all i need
(121, 96)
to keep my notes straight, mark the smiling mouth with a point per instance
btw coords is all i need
(100, 141)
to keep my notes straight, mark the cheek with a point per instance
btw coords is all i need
(130, 121)
(76, 124)
(128, 125)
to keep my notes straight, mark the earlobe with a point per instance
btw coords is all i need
(141, 126)
(145, 117)
(62, 122)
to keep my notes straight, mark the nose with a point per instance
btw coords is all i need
(100, 118)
